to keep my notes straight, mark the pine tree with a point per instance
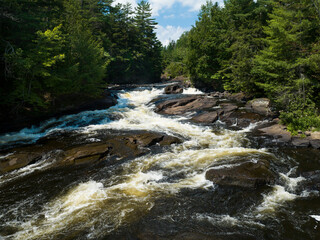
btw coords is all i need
(147, 52)
(284, 69)
(247, 19)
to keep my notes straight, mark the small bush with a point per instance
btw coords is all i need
(300, 120)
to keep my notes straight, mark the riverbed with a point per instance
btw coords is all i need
(163, 194)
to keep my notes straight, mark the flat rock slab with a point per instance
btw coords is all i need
(119, 146)
(277, 131)
(206, 117)
(247, 175)
(186, 104)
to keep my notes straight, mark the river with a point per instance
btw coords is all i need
(161, 195)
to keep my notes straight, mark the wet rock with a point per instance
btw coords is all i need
(17, 160)
(230, 114)
(173, 89)
(186, 104)
(300, 142)
(315, 139)
(239, 97)
(242, 118)
(119, 146)
(228, 107)
(247, 174)
(260, 106)
(85, 153)
(277, 131)
(312, 181)
(206, 117)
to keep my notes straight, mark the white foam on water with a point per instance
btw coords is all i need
(316, 217)
(192, 91)
(278, 197)
(44, 163)
(227, 220)
(291, 183)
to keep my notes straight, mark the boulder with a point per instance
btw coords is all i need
(315, 139)
(260, 106)
(277, 131)
(206, 117)
(173, 89)
(242, 118)
(186, 104)
(228, 107)
(247, 174)
(298, 141)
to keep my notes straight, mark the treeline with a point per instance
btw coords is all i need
(52, 48)
(264, 48)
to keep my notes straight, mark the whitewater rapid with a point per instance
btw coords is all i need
(97, 206)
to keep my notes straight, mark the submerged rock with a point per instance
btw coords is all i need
(247, 174)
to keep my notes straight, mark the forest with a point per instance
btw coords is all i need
(265, 48)
(56, 48)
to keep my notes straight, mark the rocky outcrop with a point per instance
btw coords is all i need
(278, 132)
(247, 174)
(206, 117)
(173, 89)
(113, 146)
(185, 104)
(260, 106)
(282, 135)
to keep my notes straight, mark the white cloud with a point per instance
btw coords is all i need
(158, 5)
(169, 33)
(133, 2)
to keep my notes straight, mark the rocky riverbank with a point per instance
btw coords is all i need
(236, 111)
(63, 150)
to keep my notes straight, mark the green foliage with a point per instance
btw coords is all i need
(264, 48)
(59, 47)
(175, 69)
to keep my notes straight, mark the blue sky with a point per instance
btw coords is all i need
(173, 16)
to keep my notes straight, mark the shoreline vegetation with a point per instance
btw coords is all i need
(263, 48)
(65, 53)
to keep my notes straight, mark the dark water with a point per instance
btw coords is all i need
(163, 195)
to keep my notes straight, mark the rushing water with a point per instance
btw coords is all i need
(161, 195)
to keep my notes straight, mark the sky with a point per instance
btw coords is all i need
(173, 16)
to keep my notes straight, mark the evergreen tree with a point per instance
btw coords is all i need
(147, 62)
(207, 45)
(247, 18)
